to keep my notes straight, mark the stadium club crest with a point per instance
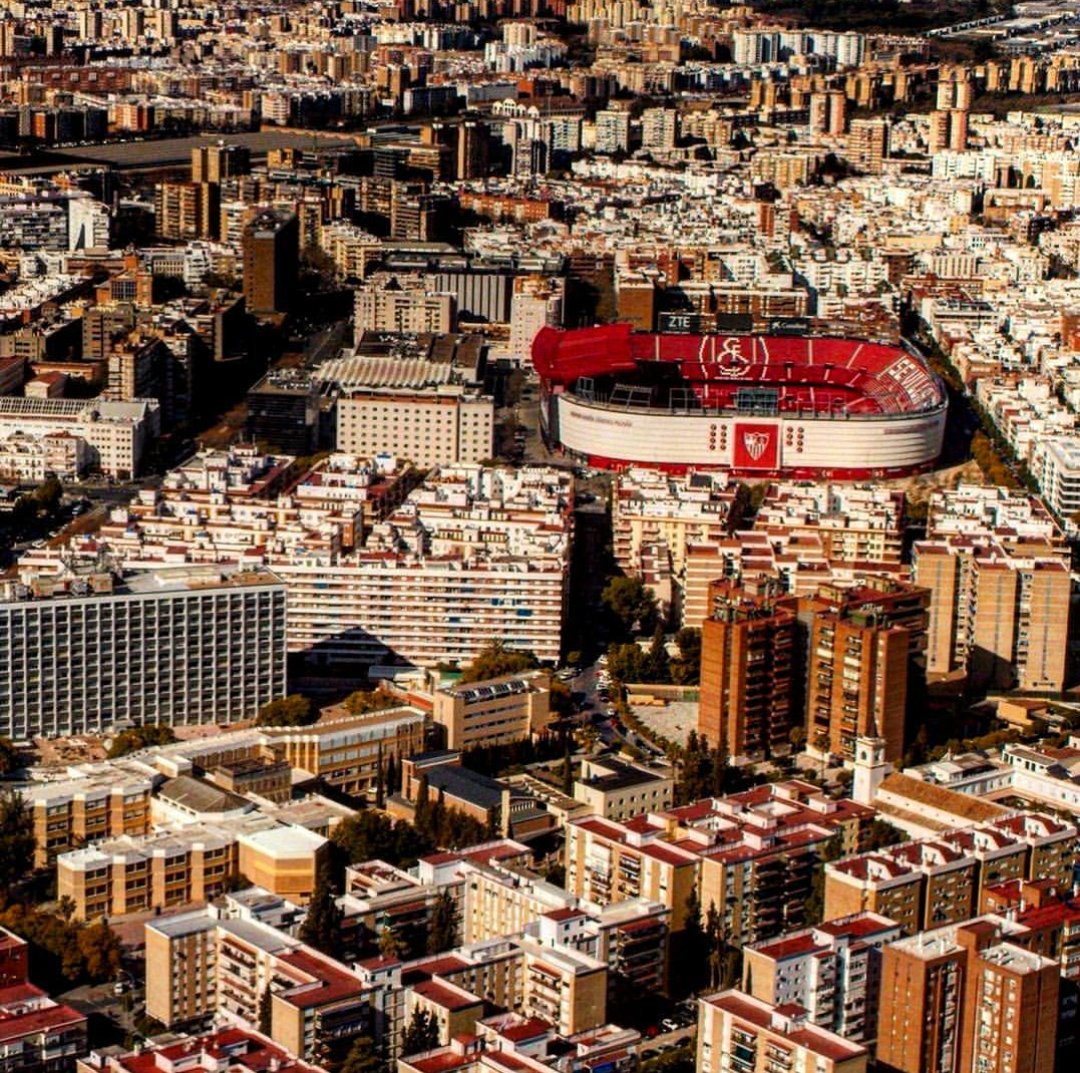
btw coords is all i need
(755, 443)
(756, 446)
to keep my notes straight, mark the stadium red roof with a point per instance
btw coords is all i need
(813, 374)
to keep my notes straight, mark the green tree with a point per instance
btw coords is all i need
(140, 737)
(295, 710)
(421, 1033)
(882, 834)
(443, 934)
(630, 604)
(16, 841)
(371, 835)
(322, 925)
(686, 670)
(496, 660)
(265, 1016)
(695, 956)
(658, 663)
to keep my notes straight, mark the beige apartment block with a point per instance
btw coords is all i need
(737, 1031)
(497, 711)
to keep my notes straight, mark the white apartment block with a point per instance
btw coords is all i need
(833, 971)
(470, 555)
(116, 434)
(83, 653)
(401, 304)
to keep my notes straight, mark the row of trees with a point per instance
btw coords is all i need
(631, 663)
(705, 771)
(712, 961)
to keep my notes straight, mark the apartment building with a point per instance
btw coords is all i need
(229, 1049)
(855, 523)
(37, 1034)
(833, 971)
(380, 898)
(498, 896)
(185, 646)
(472, 553)
(932, 882)
(750, 696)
(198, 965)
(388, 303)
(997, 569)
(102, 801)
(855, 648)
(738, 1032)
(497, 711)
(619, 791)
(966, 997)
(116, 434)
(650, 507)
(737, 852)
(864, 645)
(796, 561)
(195, 862)
(348, 751)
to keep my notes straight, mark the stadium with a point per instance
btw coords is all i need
(758, 405)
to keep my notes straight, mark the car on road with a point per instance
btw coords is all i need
(670, 1024)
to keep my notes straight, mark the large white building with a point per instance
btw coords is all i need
(473, 553)
(116, 434)
(85, 652)
(423, 406)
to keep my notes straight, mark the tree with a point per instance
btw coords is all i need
(797, 737)
(686, 670)
(322, 925)
(100, 951)
(265, 1016)
(380, 781)
(882, 834)
(16, 840)
(140, 737)
(421, 1033)
(371, 835)
(443, 934)
(695, 956)
(496, 660)
(370, 700)
(362, 1057)
(9, 757)
(48, 494)
(295, 710)
(392, 945)
(658, 662)
(630, 604)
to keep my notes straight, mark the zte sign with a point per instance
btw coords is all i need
(757, 446)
